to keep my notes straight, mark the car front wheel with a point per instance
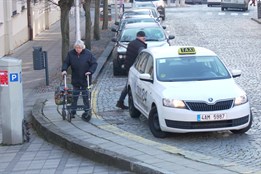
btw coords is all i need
(116, 68)
(154, 124)
(134, 113)
(244, 130)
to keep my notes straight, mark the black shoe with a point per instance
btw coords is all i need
(121, 105)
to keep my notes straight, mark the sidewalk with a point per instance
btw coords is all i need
(96, 140)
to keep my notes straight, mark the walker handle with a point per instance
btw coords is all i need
(65, 81)
(88, 81)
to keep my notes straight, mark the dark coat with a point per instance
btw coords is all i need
(80, 64)
(133, 49)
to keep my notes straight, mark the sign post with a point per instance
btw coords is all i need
(11, 100)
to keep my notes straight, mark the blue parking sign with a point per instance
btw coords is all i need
(13, 77)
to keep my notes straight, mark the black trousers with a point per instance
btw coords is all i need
(77, 90)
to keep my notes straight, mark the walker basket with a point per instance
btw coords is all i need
(60, 94)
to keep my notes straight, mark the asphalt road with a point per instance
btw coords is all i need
(237, 40)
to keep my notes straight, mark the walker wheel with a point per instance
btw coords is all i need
(86, 116)
(64, 114)
(69, 117)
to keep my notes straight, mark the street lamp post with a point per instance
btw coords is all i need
(116, 10)
(77, 19)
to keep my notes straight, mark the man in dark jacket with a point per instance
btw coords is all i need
(133, 49)
(82, 64)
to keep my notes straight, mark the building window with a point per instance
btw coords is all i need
(1, 13)
(23, 5)
(14, 7)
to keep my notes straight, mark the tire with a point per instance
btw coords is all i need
(244, 130)
(222, 8)
(134, 113)
(116, 68)
(86, 116)
(154, 124)
(64, 114)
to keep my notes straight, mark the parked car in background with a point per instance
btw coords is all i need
(133, 19)
(187, 89)
(145, 4)
(154, 12)
(155, 37)
(211, 3)
(193, 1)
(160, 5)
(136, 11)
(234, 4)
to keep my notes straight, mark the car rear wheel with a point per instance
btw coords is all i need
(154, 124)
(244, 130)
(134, 113)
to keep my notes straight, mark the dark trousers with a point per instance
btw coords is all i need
(76, 92)
(124, 93)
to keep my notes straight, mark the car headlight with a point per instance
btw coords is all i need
(240, 100)
(173, 103)
(122, 56)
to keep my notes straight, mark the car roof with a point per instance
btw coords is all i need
(142, 25)
(173, 51)
(135, 9)
(137, 16)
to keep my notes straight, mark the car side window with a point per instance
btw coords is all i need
(149, 67)
(141, 63)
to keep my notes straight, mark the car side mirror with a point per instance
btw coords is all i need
(114, 30)
(236, 73)
(114, 39)
(146, 77)
(171, 37)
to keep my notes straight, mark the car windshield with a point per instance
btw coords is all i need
(152, 34)
(190, 68)
(135, 20)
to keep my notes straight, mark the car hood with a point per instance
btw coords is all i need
(202, 90)
(123, 45)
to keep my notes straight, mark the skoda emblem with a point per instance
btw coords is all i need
(210, 99)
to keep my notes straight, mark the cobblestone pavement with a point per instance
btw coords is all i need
(237, 40)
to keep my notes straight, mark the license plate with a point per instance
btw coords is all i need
(211, 117)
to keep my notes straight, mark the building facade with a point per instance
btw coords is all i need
(22, 20)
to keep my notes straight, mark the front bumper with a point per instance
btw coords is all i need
(184, 121)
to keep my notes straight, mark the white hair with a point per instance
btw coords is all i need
(79, 43)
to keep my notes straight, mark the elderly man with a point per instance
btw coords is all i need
(82, 63)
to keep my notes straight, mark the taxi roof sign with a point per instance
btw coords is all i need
(187, 50)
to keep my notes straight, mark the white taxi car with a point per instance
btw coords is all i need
(186, 89)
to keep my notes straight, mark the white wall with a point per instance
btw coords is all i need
(14, 28)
